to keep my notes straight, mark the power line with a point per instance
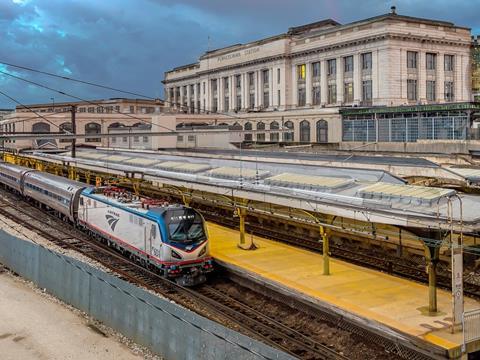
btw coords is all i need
(193, 108)
(76, 80)
(38, 115)
(81, 99)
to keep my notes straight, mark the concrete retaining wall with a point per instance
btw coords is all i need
(164, 327)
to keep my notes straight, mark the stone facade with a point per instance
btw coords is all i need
(307, 74)
(96, 116)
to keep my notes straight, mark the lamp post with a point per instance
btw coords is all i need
(53, 103)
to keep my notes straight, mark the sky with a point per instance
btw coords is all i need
(129, 44)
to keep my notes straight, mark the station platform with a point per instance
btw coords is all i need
(396, 305)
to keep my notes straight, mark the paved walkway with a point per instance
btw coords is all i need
(389, 300)
(33, 326)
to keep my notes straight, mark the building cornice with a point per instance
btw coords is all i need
(326, 48)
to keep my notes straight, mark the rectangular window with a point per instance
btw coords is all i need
(265, 77)
(348, 92)
(203, 88)
(301, 96)
(412, 59)
(114, 140)
(278, 97)
(225, 83)
(238, 104)
(238, 82)
(448, 62)
(449, 92)
(431, 61)
(367, 61)
(348, 64)
(266, 99)
(145, 139)
(301, 72)
(251, 101)
(331, 67)
(197, 94)
(132, 109)
(179, 137)
(214, 85)
(316, 69)
(316, 95)
(411, 89)
(191, 138)
(367, 90)
(251, 80)
(431, 96)
(278, 76)
(124, 139)
(332, 94)
(226, 103)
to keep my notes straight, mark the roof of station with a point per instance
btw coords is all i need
(377, 195)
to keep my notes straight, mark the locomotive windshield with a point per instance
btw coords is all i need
(184, 226)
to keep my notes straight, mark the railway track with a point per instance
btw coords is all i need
(387, 264)
(206, 299)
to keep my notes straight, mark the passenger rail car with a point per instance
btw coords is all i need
(169, 238)
(56, 192)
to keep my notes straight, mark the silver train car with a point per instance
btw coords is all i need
(11, 175)
(56, 192)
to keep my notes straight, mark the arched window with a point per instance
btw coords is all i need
(248, 126)
(92, 129)
(288, 136)
(304, 131)
(274, 126)
(116, 125)
(66, 127)
(322, 131)
(260, 126)
(41, 127)
(237, 126)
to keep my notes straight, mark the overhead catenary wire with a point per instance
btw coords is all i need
(35, 112)
(84, 100)
(193, 108)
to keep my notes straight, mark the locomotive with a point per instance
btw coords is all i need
(169, 238)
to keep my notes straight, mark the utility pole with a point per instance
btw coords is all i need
(74, 131)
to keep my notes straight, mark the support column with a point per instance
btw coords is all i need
(339, 80)
(220, 94)
(245, 242)
(431, 257)
(323, 82)
(422, 76)
(440, 78)
(308, 84)
(357, 79)
(326, 251)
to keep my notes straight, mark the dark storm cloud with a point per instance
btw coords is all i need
(130, 43)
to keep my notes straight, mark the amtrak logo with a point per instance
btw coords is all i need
(112, 221)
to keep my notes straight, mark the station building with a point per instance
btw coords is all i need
(306, 79)
(92, 117)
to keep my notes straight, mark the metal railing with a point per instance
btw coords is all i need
(471, 326)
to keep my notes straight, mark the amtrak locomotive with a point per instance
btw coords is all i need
(171, 239)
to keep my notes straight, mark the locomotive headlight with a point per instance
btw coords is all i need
(176, 255)
(203, 251)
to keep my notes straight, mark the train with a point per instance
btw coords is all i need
(171, 239)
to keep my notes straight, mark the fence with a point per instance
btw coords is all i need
(166, 328)
(471, 326)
